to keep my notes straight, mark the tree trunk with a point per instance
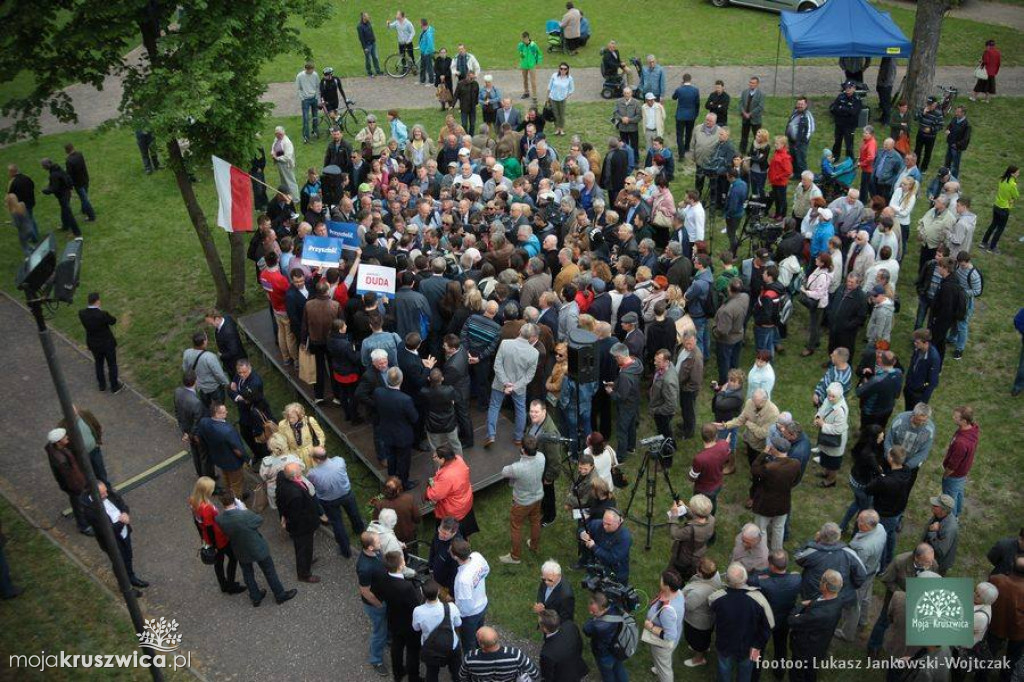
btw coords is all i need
(238, 249)
(202, 228)
(927, 31)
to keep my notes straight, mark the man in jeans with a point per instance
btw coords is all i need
(526, 477)
(406, 33)
(307, 83)
(242, 528)
(514, 367)
(744, 623)
(625, 393)
(368, 41)
(329, 476)
(370, 569)
(960, 456)
(890, 492)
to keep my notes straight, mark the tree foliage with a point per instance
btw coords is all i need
(197, 79)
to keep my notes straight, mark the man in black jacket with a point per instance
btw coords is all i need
(944, 306)
(958, 137)
(890, 492)
(117, 511)
(813, 625)
(22, 187)
(395, 423)
(60, 187)
(338, 152)
(847, 311)
(456, 375)
(561, 655)
(438, 401)
(930, 120)
(79, 174)
(300, 515)
(229, 341)
(401, 597)
(615, 169)
(246, 390)
(345, 367)
(100, 341)
(845, 110)
(554, 594)
(467, 94)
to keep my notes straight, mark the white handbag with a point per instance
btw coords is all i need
(981, 73)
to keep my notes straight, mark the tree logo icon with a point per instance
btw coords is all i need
(939, 611)
(939, 605)
(160, 634)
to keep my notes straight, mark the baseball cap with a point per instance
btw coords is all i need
(825, 214)
(877, 290)
(56, 435)
(649, 95)
(365, 187)
(780, 443)
(944, 501)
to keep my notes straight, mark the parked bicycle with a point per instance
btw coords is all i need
(399, 65)
(351, 119)
(949, 94)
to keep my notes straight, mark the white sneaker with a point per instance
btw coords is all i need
(509, 559)
(693, 663)
(723, 231)
(817, 460)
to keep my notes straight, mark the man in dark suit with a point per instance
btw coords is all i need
(396, 421)
(295, 304)
(812, 626)
(415, 375)
(615, 169)
(561, 655)
(781, 588)
(456, 375)
(100, 341)
(229, 341)
(243, 530)
(189, 411)
(298, 508)
(117, 512)
(60, 188)
(401, 597)
(220, 446)
(246, 389)
(507, 114)
(79, 174)
(555, 594)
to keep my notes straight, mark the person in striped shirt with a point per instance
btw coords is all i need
(493, 662)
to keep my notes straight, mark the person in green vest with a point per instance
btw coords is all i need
(529, 57)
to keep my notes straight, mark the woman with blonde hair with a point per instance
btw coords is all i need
(204, 515)
(303, 433)
(757, 158)
(587, 323)
(553, 385)
(280, 455)
(420, 148)
(903, 199)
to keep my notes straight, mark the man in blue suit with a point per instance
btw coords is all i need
(781, 588)
(688, 98)
(221, 447)
(396, 410)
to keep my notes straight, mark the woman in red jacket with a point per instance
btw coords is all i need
(780, 169)
(451, 491)
(991, 59)
(204, 515)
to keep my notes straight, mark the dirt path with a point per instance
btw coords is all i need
(1000, 13)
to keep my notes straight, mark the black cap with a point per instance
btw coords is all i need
(932, 100)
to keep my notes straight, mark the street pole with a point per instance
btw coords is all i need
(105, 528)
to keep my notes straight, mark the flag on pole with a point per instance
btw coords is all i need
(234, 190)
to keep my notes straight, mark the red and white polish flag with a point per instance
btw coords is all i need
(234, 190)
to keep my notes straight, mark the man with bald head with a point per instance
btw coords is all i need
(743, 620)
(300, 516)
(812, 625)
(494, 661)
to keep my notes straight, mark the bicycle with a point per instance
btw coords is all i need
(399, 65)
(949, 94)
(351, 119)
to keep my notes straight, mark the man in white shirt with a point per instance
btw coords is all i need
(116, 509)
(307, 83)
(693, 218)
(406, 34)
(470, 590)
(428, 616)
(468, 178)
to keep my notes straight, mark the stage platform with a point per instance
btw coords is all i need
(484, 465)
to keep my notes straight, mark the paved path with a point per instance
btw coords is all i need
(381, 93)
(1001, 13)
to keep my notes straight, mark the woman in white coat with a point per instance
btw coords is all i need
(833, 420)
(903, 199)
(283, 153)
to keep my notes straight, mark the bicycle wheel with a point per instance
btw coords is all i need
(396, 66)
(354, 120)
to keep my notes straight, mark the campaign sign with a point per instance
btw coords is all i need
(348, 233)
(376, 278)
(322, 252)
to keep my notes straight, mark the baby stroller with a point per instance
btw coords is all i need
(835, 179)
(556, 40)
(614, 81)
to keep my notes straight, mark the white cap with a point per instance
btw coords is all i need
(57, 435)
(496, 167)
(824, 214)
(649, 95)
(463, 151)
(488, 78)
(473, 253)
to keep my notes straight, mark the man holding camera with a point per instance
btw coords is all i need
(610, 541)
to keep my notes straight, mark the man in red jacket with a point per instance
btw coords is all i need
(960, 455)
(276, 284)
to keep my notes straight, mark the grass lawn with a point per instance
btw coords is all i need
(61, 610)
(740, 35)
(142, 254)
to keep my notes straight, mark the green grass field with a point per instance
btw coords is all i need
(143, 256)
(699, 33)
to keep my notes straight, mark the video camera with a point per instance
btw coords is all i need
(659, 446)
(598, 579)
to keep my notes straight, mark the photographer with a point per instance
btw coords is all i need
(691, 529)
(610, 542)
(602, 631)
(717, 165)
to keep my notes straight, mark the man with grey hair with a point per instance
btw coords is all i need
(627, 118)
(781, 588)
(869, 544)
(396, 420)
(915, 432)
(911, 564)
(806, 191)
(751, 548)
(625, 392)
(827, 551)
(812, 625)
(537, 282)
(514, 367)
(554, 593)
(744, 622)
(846, 213)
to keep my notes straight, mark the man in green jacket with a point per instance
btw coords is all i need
(529, 57)
(242, 528)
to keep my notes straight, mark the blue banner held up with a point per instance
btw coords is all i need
(323, 252)
(348, 233)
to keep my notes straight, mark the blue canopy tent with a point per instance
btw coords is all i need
(840, 28)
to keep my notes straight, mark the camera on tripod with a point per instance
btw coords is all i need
(660, 446)
(598, 579)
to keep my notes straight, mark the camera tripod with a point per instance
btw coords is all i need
(648, 473)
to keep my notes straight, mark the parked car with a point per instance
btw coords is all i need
(773, 5)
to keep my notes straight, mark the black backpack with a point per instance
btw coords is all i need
(439, 645)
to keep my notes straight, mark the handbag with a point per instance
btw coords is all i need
(207, 553)
(981, 73)
(307, 366)
(260, 500)
(312, 433)
(268, 426)
(619, 479)
(548, 112)
(662, 220)
(652, 639)
(829, 440)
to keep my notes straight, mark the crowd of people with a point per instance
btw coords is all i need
(503, 249)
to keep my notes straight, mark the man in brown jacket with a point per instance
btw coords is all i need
(757, 418)
(690, 366)
(775, 475)
(317, 319)
(69, 475)
(537, 282)
(728, 329)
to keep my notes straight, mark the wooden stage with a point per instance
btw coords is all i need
(484, 465)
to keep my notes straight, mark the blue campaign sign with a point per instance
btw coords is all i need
(323, 252)
(348, 233)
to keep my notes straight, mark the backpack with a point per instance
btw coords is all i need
(627, 636)
(785, 308)
(981, 281)
(713, 301)
(960, 304)
(438, 648)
